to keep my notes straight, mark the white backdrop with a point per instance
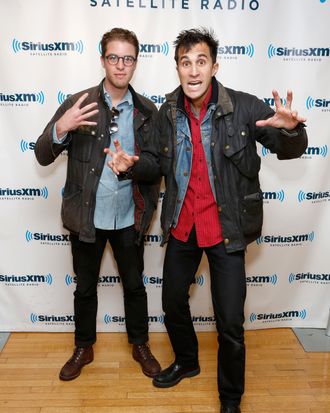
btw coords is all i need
(50, 49)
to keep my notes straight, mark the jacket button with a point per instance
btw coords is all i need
(219, 208)
(93, 132)
(226, 241)
(243, 133)
(227, 147)
(166, 149)
(92, 171)
(212, 143)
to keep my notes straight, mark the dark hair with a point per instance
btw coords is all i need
(119, 34)
(188, 38)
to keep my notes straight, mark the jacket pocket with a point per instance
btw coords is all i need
(241, 151)
(71, 207)
(251, 209)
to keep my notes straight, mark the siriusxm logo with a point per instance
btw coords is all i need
(104, 280)
(26, 146)
(153, 239)
(26, 279)
(55, 239)
(154, 280)
(261, 279)
(285, 315)
(61, 97)
(231, 50)
(23, 193)
(121, 319)
(309, 152)
(51, 319)
(23, 98)
(295, 52)
(147, 49)
(271, 101)
(315, 197)
(273, 196)
(56, 47)
(158, 281)
(309, 278)
(203, 320)
(321, 103)
(157, 99)
(279, 240)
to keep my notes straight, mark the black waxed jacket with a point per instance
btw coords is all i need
(235, 162)
(86, 159)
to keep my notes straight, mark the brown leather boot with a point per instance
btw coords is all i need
(72, 368)
(142, 354)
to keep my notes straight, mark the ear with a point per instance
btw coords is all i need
(215, 69)
(102, 61)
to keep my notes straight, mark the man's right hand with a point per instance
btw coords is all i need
(76, 116)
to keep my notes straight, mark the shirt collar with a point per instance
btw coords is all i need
(127, 100)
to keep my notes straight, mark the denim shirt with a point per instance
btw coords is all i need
(114, 199)
(184, 150)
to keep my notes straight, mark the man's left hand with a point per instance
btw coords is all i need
(121, 161)
(284, 116)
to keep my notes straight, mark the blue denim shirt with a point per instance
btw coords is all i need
(114, 199)
(184, 150)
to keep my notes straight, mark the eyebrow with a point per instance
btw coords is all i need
(198, 56)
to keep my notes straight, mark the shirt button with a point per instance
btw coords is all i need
(219, 209)
(212, 143)
(92, 171)
(93, 132)
(185, 173)
(86, 203)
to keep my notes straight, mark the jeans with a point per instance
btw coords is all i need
(228, 290)
(86, 265)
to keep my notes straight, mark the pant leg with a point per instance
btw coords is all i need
(129, 259)
(86, 265)
(180, 265)
(228, 288)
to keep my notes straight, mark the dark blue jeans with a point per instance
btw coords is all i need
(228, 289)
(86, 265)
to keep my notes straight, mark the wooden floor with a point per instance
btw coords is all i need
(280, 377)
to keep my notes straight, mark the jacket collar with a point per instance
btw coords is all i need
(137, 103)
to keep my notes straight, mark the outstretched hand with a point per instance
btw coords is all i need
(121, 161)
(76, 116)
(284, 116)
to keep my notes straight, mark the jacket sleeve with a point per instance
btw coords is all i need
(287, 144)
(147, 168)
(46, 150)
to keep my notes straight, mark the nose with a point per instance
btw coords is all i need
(120, 63)
(194, 70)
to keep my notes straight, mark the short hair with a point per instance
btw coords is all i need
(122, 35)
(188, 38)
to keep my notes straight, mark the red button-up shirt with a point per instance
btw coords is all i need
(199, 207)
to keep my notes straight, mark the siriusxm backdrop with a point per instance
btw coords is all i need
(50, 49)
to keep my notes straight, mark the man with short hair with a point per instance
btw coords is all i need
(98, 207)
(213, 201)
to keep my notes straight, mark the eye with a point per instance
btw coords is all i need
(185, 63)
(129, 60)
(201, 62)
